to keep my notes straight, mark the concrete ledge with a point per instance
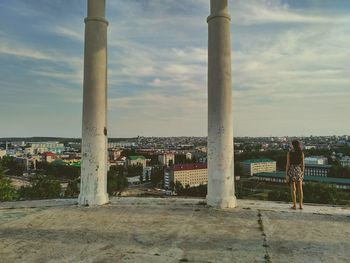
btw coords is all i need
(38, 203)
(132, 229)
(178, 201)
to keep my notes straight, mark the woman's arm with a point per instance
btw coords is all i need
(302, 162)
(287, 165)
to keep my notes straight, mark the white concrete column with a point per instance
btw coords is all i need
(221, 191)
(93, 188)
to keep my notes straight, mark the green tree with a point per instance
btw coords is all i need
(15, 168)
(339, 171)
(129, 152)
(238, 169)
(42, 187)
(157, 176)
(134, 170)
(59, 170)
(321, 193)
(7, 191)
(72, 188)
(116, 180)
(178, 188)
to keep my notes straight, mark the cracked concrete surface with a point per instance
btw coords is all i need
(171, 230)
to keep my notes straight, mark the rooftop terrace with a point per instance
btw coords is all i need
(172, 230)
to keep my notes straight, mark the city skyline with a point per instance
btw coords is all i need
(283, 53)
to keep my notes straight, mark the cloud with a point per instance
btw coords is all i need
(254, 12)
(12, 50)
(69, 32)
(298, 73)
(287, 61)
(73, 77)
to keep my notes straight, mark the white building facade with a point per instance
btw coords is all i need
(253, 166)
(315, 160)
(167, 159)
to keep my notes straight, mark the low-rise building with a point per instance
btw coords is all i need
(189, 155)
(345, 161)
(167, 159)
(315, 160)
(136, 160)
(49, 156)
(280, 177)
(2, 153)
(41, 147)
(114, 154)
(193, 174)
(317, 170)
(199, 157)
(253, 166)
(308, 147)
(121, 160)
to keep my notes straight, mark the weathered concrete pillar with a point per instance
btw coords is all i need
(93, 189)
(221, 191)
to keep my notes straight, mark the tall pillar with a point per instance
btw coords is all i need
(221, 191)
(93, 187)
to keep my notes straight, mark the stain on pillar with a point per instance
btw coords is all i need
(105, 131)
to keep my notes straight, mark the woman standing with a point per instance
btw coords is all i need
(295, 172)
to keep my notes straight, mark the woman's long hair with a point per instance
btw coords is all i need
(297, 149)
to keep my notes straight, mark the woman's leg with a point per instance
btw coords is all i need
(301, 195)
(294, 198)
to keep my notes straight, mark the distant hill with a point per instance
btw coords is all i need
(56, 139)
(39, 139)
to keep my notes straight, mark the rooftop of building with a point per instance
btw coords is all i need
(265, 160)
(318, 165)
(315, 157)
(172, 230)
(168, 154)
(136, 157)
(189, 166)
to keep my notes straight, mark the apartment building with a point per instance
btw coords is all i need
(254, 166)
(193, 174)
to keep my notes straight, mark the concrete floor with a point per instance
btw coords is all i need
(172, 230)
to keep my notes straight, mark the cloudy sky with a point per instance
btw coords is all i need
(290, 64)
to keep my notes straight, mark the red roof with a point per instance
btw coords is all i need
(189, 166)
(49, 154)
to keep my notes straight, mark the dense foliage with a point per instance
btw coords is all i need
(196, 191)
(157, 176)
(7, 191)
(72, 189)
(59, 170)
(116, 180)
(42, 187)
(340, 171)
(181, 159)
(323, 194)
(134, 170)
(318, 193)
(14, 167)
